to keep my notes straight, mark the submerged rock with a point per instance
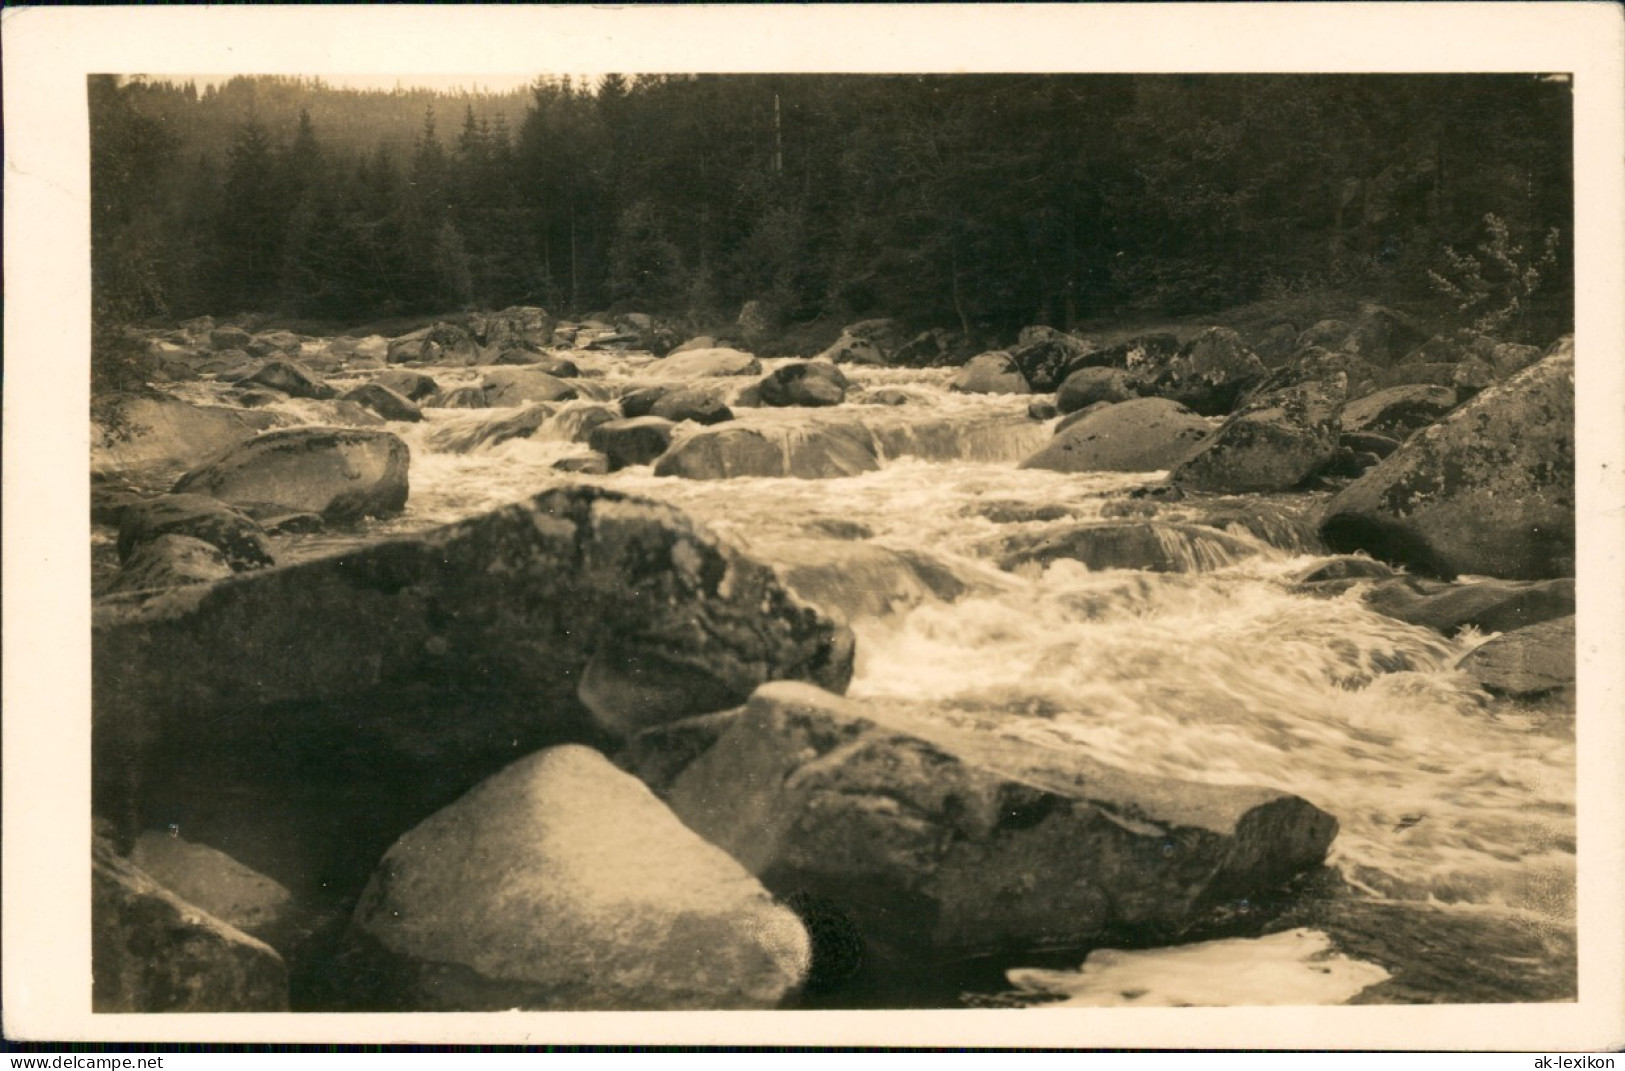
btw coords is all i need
(413, 386)
(1525, 662)
(381, 682)
(1153, 546)
(937, 842)
(1487, 490)
(1144, 435)
(344, 474)
(849, 349)
(563, 883)
(819, 452)
(153, 952)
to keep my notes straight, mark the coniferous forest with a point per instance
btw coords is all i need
(978, 202)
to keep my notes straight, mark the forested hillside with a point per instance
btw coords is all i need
(981, 203)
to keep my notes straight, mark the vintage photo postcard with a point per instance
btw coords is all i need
(1047, 525)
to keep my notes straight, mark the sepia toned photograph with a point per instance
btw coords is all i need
(577, 539)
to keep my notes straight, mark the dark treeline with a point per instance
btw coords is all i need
(979, 202)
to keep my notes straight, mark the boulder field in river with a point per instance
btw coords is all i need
(934, 842)
(562, 883)
(1487, 490)
(344, 474)
(384, 681)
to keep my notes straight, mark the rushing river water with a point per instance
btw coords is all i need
(1217, 672)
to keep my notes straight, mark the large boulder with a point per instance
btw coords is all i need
(693, 364)
(1525, 662)
(171, 561)
(1148, 546)
(440, 344)
(562, 883)
(1207, 374)
(1488, 490)
(382, 682)
(135, 432)
(153, 952)
(1383, 336)
(515, 386)
(990, 373)
(819, 452)
(928, 349)
(936, 842)
(1141, 351)
(274, 344)
(1144, 435)
(291, 379)
(636, 441)
(413, 386)
(342, 473)
(1087, 386)
(804, 383)
(850, 349)
(1272, 444)
(234, 533)
(385, 402)
(1398, 411)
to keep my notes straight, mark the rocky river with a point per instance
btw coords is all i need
(969, 728)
